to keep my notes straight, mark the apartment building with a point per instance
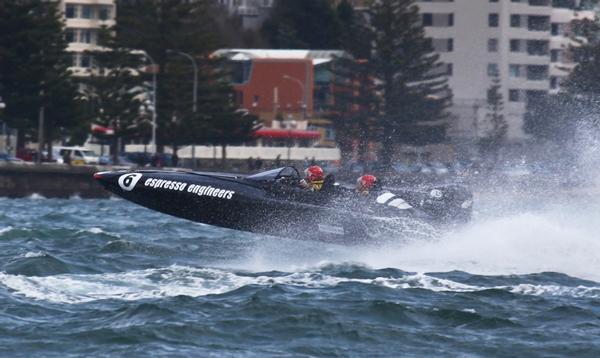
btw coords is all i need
(83, 18)
(524, 42)
(252, 12)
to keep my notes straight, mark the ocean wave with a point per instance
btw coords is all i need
(195, 282)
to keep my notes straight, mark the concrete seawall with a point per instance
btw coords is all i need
(50, 181)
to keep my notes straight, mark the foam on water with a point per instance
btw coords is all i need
(559, 237)
(195, 282)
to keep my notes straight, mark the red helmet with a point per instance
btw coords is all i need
(314, 173)
(366, 182)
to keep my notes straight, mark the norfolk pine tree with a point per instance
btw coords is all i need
(498, 127)
(414, 90)
(114, 90)
(157, 26)
(34, 70)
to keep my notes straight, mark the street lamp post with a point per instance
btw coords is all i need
(154, 89)
(303, 88)
(194, 94)
(195, 89)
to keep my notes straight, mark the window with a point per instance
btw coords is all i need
(492, 70)
(449, 69)
(514, 70)
(555, 55)
(539, 2)
(329, 133)
(513, 95)
(104, 12)
(427, 19)
(438, 20)
(515, 20)
(87, 12)
(71, 35)
(538, 48)
(492, 45)
(86, 61)
(515, 45)
(537, 72)
(493, 20)
(553, 82)
(85, 36)
(538, 23)
(71, 11)
(554, 28)
(443, 45)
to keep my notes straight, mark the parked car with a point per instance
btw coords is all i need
(123, 160)
(7, 158)
(143, 159)
(78, 155)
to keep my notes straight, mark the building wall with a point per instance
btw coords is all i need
(267, 91)
(465, 38)
(252, 12)
(83, 18)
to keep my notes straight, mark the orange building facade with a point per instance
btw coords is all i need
(287, 89)
(278, 90)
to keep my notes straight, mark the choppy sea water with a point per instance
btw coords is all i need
(106, 277)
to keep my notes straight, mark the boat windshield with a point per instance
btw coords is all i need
(274, 174)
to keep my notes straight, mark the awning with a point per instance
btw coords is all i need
(286, 134)
(98, 129)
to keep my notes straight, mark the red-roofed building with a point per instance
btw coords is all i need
(286, 89)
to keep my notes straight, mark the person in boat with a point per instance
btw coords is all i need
(365, 184)
(313, 178)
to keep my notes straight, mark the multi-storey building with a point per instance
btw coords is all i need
(83, 18)
(523, 42)
(252, 12)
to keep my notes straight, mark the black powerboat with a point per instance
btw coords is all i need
(272, 203)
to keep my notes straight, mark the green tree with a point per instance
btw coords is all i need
(114, 91)
(306, 24)
(34, 70)
(498, 127)
(157, 26)
(355, 106)
(409, 76)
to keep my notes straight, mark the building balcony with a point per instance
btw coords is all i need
(88, 23)
(523, 58)
(247, 11)
(524, 33)
(522, 83)
(565, 16)
(528, 8)
(90, 2)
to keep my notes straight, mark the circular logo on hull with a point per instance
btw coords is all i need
(128, 181)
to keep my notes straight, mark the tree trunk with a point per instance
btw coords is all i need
(223, 155)
(20, 140)
(114, 148)
(49, 149)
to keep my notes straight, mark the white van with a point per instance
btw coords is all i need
(78, 155)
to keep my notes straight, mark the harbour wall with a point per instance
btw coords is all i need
(50, 181)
